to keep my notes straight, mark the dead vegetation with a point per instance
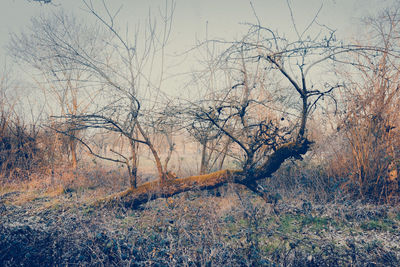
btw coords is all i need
(235, 228)
(287, 165)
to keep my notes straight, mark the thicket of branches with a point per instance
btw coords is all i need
(259, 99)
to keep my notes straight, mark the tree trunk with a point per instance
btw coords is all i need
(171, 147)
(74, 158)
(133, 169)
(157, 159)
(203, 163)
(153, 190)
(224, 152)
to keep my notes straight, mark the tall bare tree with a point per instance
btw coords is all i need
(61, 79)
(273, 85)
(119, 64)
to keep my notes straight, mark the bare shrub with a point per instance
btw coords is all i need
(369, 153)
(19, 151)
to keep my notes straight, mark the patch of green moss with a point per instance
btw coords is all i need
(231, 229)
(271, 247)
(289, 223)
(377, 225)
(316, 223)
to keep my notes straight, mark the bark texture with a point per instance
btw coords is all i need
(134, 197)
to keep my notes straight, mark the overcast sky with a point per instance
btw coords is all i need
(223, 18)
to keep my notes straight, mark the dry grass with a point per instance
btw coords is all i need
(84, 185)
(200, 228)
(225, 226)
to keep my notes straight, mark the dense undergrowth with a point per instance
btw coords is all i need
(230, 226)
(47, 218)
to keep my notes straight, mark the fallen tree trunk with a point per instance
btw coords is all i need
(152, 190)
(134, 197)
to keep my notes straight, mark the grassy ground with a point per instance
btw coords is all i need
(56, 225)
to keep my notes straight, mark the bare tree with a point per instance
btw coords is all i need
(119, 64)
(273, 86)
(132, 77)
(208, 84)
(61, 80)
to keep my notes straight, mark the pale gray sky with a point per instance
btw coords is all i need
(191, 16)
(222, 17)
